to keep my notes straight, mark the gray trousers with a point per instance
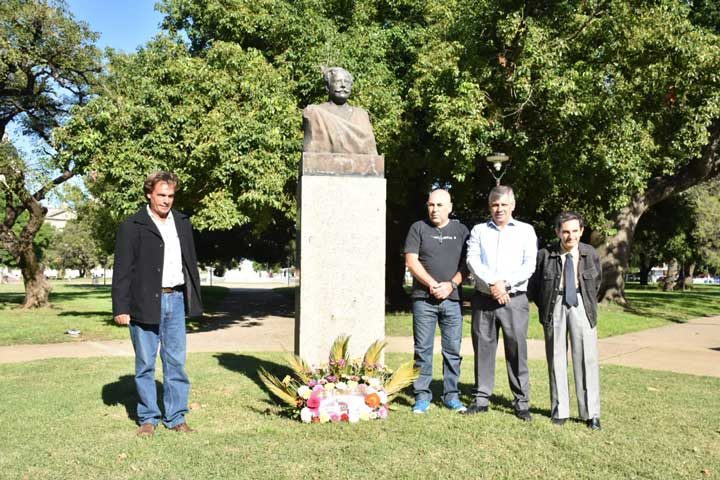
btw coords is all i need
(572, 322)
(488, 317)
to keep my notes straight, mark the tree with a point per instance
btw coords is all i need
(47, 62)
(607, 107)
(74, 247)
(224, 111)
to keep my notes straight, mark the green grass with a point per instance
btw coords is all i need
(79, 306)
(649, 308)
(73, 419)
(88, 308)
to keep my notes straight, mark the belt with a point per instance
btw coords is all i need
(176, 288)
(511, 294)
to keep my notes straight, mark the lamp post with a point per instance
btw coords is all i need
(497, 163)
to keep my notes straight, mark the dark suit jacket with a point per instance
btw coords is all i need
(137, 272)
(544, 285)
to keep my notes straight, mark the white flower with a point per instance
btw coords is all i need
(304, 392)
(383, 397)
(341, 386)
(374, 382)
(306, 415)
(329, 387)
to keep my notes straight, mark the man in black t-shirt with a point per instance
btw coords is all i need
(435, 256)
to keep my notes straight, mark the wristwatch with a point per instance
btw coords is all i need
(454, 285)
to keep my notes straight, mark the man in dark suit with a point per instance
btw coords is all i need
(155, 284)
(565, 286)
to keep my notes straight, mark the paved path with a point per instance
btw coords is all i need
(260, 320)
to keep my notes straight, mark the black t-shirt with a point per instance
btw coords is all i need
(440, 250)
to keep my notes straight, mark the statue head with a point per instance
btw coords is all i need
(338, 83)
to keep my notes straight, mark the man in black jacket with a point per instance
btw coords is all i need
(565, 286)
(155, 284)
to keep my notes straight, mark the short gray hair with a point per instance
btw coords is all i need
(500, 191)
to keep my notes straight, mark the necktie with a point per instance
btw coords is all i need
(570, 298)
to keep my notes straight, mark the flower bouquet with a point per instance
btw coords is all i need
(342, 390)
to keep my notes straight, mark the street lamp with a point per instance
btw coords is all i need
(497, 163)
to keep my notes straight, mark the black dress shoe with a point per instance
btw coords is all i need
(473, 409)
(594, 423)
(558, 421)
(523, 415)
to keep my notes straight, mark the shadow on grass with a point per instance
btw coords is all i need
(105, 313)
(11, 299)
(123, 392)
(248, 366)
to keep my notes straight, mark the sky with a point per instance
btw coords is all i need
(122, 24)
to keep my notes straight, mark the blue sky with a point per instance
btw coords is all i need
(122, 24)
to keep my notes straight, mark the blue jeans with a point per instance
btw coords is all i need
(170, 336)
(426, 314)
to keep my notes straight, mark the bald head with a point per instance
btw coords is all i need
(439, 207)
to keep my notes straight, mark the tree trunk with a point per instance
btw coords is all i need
(645, 269)
(671, 277)
(615, 251)
(37, 288)
(688, 275)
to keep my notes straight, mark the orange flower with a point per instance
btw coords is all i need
(372, 400)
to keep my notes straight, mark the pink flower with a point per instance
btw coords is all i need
(313, 401)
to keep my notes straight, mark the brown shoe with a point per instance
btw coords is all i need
(183, 428)
(146, 430)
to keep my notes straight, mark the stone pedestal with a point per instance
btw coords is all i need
(341, 247)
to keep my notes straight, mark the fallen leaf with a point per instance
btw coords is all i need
(652, 389)
(195, 406)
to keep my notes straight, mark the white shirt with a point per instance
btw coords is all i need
(172, 274)
(576, 262)
(507, 255)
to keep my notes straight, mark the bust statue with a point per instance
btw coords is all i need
(335, 126)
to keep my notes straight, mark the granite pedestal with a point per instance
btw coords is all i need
(341, 246)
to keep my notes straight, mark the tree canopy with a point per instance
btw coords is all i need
(47, 63)
(604, 106)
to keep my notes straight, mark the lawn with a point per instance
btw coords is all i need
(649, 307)
(74, 419)
(75, 306)
(88, 308)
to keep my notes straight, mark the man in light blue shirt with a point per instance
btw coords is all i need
(501, 255)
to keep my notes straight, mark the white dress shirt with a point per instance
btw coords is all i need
(172, 274)
(576, 264)
(507, 255)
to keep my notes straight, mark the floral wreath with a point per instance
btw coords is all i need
(342, 390)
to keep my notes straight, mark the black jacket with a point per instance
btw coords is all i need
(544, 285)
(137, 272)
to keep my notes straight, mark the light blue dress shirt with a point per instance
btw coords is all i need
(507, 255)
